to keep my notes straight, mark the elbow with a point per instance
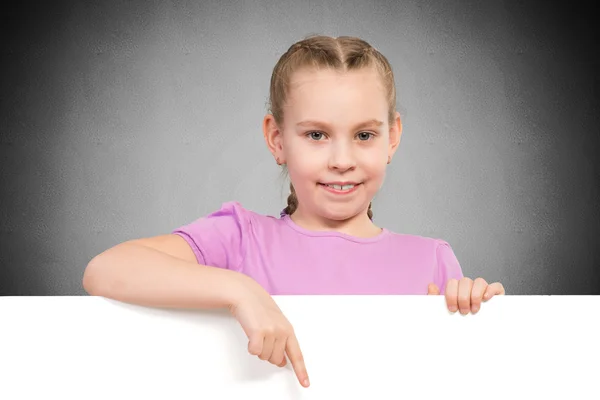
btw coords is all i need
(94, 278)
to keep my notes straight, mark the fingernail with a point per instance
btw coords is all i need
(453, 308)
(474, 310)
(306, 383)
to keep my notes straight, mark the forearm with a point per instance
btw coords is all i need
(141, 275)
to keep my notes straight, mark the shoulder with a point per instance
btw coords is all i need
(232, 216)
(237, 211)
(221, 238)
(434, 247)
(433, 252)
(231, 209)
(419, 241)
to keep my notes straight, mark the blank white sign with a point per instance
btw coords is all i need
(364, 347)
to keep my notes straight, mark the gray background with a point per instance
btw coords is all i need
(127, 119)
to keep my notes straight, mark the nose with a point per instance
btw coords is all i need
(342, 157)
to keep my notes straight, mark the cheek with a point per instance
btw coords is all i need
(375, 161)
(303, 162)
(301, 169)
(377, 171)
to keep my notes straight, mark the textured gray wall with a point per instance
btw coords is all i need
(127, 119)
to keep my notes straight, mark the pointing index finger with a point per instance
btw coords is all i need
(297, 360)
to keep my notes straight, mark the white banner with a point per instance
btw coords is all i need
(365, 347)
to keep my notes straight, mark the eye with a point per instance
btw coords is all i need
(364, 136)
(315, 135)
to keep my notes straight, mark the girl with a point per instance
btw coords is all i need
(334, 127)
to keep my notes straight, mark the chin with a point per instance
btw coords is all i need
(339, 215)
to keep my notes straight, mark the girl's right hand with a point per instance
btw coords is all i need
(270, 334)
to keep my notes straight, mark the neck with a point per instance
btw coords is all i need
(359, 225)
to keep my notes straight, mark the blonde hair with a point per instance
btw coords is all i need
(344, 53)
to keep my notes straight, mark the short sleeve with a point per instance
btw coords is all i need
(219, 239)
(448, 266)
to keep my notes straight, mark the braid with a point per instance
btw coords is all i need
(292, 201)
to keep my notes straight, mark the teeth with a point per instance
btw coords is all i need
(341, 187)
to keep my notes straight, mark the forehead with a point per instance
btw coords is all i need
(332, 95)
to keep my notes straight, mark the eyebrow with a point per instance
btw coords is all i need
(361, 125)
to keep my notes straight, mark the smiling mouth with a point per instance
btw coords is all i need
(341, 187)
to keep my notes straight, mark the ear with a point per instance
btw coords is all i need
(395, 135)
(273, 138)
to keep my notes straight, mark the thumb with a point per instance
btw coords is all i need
(432, 289)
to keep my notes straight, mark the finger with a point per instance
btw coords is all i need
(278, 356)
(294, 353)
(479, 288)
(255, 345)
(452, 295)
(432, 289)
(495, 289)
(267, 350)
(465, 285)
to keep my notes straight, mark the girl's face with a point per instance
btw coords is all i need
(336, 141)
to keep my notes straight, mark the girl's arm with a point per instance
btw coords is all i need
(161, 271)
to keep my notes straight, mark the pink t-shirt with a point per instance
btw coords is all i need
(286, 259)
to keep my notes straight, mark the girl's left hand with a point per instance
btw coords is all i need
(466, 295)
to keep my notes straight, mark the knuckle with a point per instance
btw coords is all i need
(255, 333)
(477, 294)
(267, 331)
(287, 331)
(278, 330)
